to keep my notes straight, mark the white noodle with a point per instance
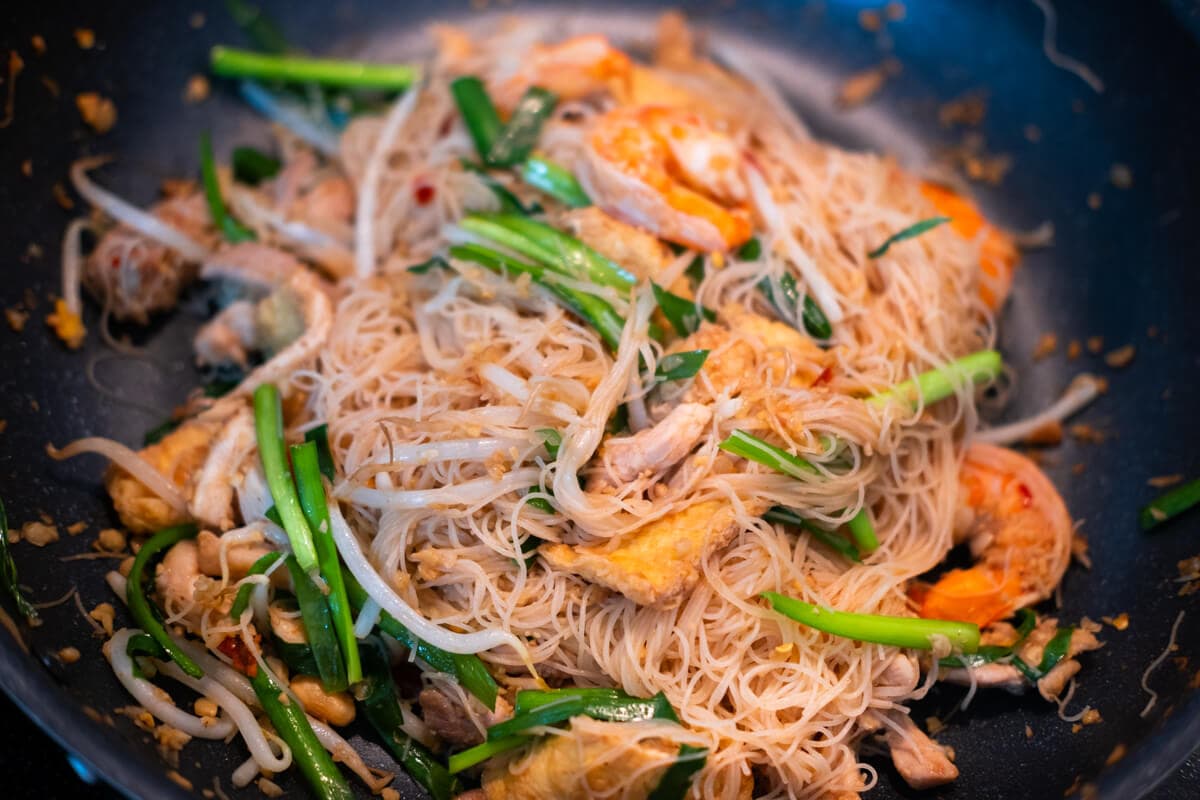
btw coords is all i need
(1082, 391)
(72, 264)
(1060, 60)
(368, 618)
(1170, 648)
(129, 461)
(145, 223)
(155, 700)
(391, 602)
(368, 191)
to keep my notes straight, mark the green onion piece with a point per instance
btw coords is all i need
(478, 113)
(144, 614)
(916, 229)
(272, 514)
(143, 645)
(289, 721)
(434, 262)
(509, 202)
(318, 626)
(754, 449)
(261, 29)
(814, 320)
(938, 384)
(611, 705)
(550, 247)
(863, 531)
(535, 708)
(8, 571)
(230, 62)
(1056, 649)
(546, 176)
(159, 431)
(306, 465)
(597, 312)
(815, 323)
(220, 387)
(268, 427)
(677, 780)
(252, 167)
(695, 271)
(298, 656)
(242, 599)
(468, 669)
(1171, 504)
(552, 440)
(541, 504)
(516, 141)
(681, 312)
(750, 251)
(989, 653)
(680, 366)
(381, 706)
(618, 422)
(230, 228)
(482, 752)
(319, 436)
(834, 542)
(895, 631)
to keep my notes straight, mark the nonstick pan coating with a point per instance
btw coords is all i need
(1126, 271)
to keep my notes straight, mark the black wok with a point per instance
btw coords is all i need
(1114, 271)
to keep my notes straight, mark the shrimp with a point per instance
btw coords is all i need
(1019, 530)
(573, 69)
(998, 254)
(668, 171)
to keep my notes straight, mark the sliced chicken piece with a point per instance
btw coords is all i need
(227, 338)
(176, 578)
(658, 564)
(658, 447)
(134, 276)
(328, 203)
(594, 759)
(922, 762)
(211, 500)
(639, 252)
(239, 557)
(251, 263)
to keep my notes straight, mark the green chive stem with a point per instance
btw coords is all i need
(912, 632)
(232, 62)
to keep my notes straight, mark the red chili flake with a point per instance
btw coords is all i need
(1026, 495)
(825, 377)
(116, 262)
(239, 654)
(424, 194)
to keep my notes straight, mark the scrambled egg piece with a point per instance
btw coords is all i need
(178, 456)
(658, 563)
(733, 364)
(641, 253)
(66, 325)
(597, 762)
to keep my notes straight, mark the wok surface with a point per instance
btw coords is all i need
(1115, 271)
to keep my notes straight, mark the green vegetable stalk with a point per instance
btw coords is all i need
(231, 62)
(146, 615)
(912, 632)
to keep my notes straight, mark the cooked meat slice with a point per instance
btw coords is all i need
(641, 253)
(328, 203)
(212, 487)
(239, 557)
(134, 276)
(920, 761)
(658, 447)
(228, 337)
(594, 759)
(176, 577)
(447, 719)
(1083, 639)
(659, 563)
(251, 263)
